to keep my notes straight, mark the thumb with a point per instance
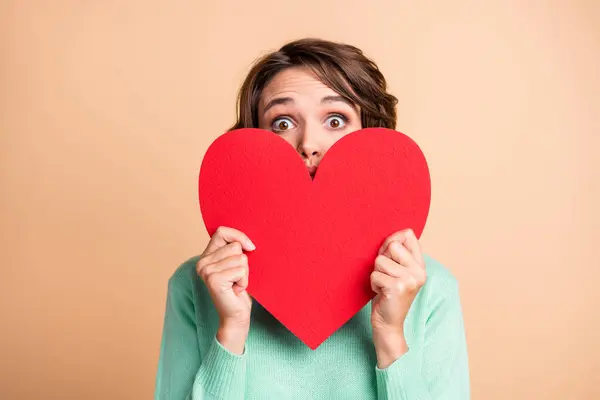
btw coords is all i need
(232, 276)
(241, 284)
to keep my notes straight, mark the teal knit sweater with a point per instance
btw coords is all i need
(277, 365)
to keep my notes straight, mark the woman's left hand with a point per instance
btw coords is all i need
(398, 276)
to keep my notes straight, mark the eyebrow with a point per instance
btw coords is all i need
(324, 100)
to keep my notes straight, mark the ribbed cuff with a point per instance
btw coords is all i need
(222, 373)
(401, 380)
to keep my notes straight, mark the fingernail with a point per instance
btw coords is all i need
(250, 245)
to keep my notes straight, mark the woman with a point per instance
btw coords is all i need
(408, 343)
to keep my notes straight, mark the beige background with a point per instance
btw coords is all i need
(107, 108)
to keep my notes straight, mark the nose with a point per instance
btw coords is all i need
(311, 147)
(309, 153)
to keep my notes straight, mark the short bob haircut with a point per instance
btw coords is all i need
(342, 67)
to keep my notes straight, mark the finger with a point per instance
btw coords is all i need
(412, 243)
(389, 267)
(408, 239)
(387, 241)
(400, 254)
(224, 235)
(240, 260)
(224, 280)
(232, 249)
(413, 276)
(380, 283)
(237, 289)
(389, 285)
(242, 284)
(399, 236)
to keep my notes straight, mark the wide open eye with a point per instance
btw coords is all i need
(336, 121)
(282, 124)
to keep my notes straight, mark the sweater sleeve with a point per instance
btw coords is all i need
(438, 371)
(183, 372)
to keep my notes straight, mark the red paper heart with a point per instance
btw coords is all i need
(316, 239)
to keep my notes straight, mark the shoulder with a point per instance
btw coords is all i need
(184, 285)
(441, 282)
(438, 273)
(187, 292)
(184, 277)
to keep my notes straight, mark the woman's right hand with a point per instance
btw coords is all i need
(223, 267)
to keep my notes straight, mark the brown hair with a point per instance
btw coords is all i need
(342, 67)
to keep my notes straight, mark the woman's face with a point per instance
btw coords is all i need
(306, 113)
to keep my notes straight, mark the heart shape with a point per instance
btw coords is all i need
(316, 239)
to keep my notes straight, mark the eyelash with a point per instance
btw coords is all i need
(336, 115)
(340, 116)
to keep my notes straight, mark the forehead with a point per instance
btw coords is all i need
(296, 80)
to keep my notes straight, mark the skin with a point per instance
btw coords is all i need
(311, 117)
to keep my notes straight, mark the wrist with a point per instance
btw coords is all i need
(390, 345)
(232, 336)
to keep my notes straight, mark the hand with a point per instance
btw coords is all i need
(223, 267)
(398, 276)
